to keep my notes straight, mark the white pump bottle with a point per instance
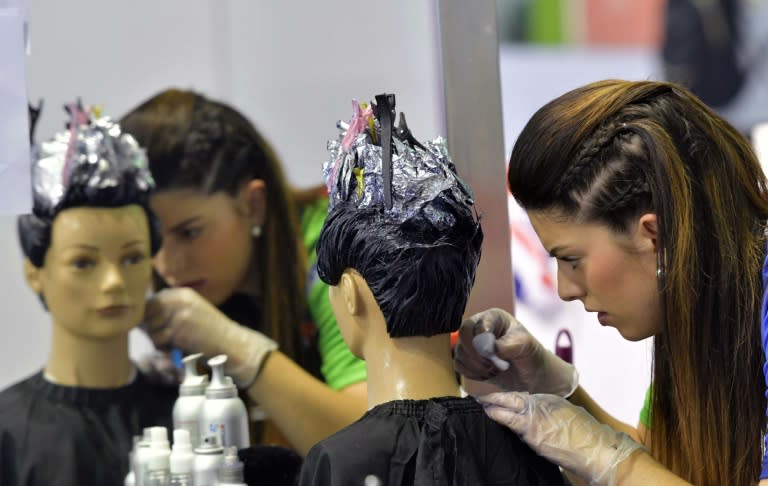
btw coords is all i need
(187, 408)
(223, 414)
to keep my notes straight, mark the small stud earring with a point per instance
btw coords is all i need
(256, 230)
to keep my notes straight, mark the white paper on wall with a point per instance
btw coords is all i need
(15, 190)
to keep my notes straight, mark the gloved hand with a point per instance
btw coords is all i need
(533, 368)
(158, 367)
(183, 319)
(563, 433)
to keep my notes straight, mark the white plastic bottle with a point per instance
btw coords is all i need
(223, 414)
(157, 454)
(130, 478)
(141, 456)
(182, 459)
(186, 409)
(231, 469)
(208, 458)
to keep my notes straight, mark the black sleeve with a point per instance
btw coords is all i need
(316, 470)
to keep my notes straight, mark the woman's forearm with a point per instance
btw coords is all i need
(640, 469)
(582, 399)
(305, 409)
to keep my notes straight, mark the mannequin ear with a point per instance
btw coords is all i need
(350, 293)
(32, 274)
(256, 195)
(648, 229)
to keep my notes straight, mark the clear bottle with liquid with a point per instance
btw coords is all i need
(158, 470)
(231, 469)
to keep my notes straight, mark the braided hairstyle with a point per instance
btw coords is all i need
(613, 150)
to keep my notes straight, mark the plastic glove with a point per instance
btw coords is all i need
(183, 319)
(563, 433)
(533, 368)
(158, 367)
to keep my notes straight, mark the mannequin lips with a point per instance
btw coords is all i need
(602, 317)
(114, 310)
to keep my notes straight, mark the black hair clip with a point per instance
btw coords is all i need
(34, 116)
(384, 110)
(404, 133)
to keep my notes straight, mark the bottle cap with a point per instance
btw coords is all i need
(159, 438)
(182, 459)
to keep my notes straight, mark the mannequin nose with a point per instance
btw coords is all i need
(113, 279)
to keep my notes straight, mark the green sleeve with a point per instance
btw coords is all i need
(645, 412)
(339, 367)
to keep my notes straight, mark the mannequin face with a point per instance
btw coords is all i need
(207, 241)
(96, 271)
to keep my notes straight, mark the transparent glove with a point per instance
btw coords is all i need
(532, 367)
(158, 367)
(183, 319)
(563, 433)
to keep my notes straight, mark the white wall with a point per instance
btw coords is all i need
(291, 66)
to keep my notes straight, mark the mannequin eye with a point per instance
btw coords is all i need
(82, 263)
(134, 259)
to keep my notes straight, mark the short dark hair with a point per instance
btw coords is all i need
(420, 276)
(101, 184)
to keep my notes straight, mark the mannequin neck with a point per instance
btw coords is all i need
(409, 368)
(88, 363)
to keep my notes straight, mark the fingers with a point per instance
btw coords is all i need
(516, 402)
(509, 408)
(479, 369)
(158, 319)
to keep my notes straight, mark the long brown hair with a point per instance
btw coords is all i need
(613, 150)
(196, 143)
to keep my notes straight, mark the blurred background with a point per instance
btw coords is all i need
(293, 68)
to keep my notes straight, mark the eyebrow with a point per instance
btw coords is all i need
(184, 223)
(132, 243)
(84, 246)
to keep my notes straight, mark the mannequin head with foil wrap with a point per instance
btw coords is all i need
(91, 234)
(403, 220)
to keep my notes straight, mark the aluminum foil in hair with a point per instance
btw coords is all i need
(424, 180)
(115, 155)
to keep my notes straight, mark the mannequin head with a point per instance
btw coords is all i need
(89, 240)
(417, 257)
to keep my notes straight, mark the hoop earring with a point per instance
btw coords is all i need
(256, 230)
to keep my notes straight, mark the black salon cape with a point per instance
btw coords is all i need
(53, 435)
(442, 441)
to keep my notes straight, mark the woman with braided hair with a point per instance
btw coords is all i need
(654, 208)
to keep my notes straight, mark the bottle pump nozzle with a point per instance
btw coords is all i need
(221, 386)
(193, 384)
